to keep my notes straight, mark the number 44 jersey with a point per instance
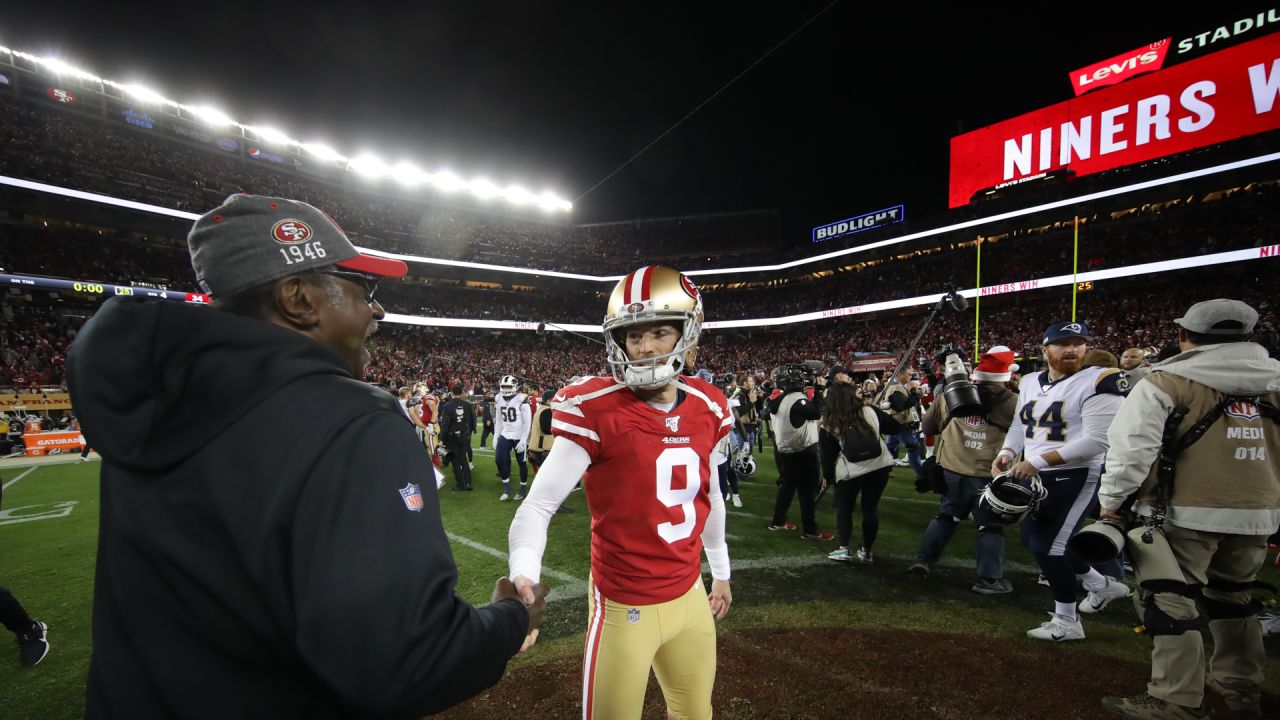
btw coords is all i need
(1052, 415)
(649, 483)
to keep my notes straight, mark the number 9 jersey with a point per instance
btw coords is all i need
(1070, 410)
(649, 483)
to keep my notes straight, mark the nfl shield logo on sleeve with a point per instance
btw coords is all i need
(412, 496)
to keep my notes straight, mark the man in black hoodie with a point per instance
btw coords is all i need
(264, 549)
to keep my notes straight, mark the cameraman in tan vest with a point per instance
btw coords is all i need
(1223, 391)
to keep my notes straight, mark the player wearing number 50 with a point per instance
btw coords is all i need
(266, 549)
(646, 443)
(1060, 431)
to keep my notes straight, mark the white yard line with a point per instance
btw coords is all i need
(570, 587)
(791, 561)
(30, 470)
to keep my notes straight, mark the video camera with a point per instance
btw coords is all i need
(793, 376)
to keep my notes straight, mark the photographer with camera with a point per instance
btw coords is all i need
(795, 421)
(902, 403)
(1193, 456)
(968, 440)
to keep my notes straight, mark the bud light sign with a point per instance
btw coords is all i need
(141, 119)
(857, 224)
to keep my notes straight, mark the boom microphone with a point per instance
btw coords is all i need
(958, 302)
(542, 330)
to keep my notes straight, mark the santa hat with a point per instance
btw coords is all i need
(995, 366)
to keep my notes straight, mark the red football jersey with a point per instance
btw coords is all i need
(427, 414)
(648, 487)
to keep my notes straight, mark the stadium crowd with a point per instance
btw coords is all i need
(1124, 314)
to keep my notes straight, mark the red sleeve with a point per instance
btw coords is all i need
(573, 422)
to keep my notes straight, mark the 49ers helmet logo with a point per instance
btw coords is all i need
(635, 307)
(291, 232)
(688, 286)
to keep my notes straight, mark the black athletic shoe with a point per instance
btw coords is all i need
(34, 644)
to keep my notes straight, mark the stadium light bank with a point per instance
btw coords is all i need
(365, 166)
(155, 209)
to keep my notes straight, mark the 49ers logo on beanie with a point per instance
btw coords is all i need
(995, 365)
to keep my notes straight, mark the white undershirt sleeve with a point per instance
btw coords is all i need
(557, 477)
(713, 543)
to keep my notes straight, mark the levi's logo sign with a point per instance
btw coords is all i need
(1120, 67)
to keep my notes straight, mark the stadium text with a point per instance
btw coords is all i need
(1226, 32)
(1009, 287)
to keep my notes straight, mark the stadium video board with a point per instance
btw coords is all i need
(1222, 96)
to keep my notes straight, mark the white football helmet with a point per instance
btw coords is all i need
(508, 386)
(652, 294)
(743, 463)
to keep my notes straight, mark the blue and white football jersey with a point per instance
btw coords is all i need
(1052, 414)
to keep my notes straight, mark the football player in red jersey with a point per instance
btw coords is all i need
(430, 415)
(646, 443)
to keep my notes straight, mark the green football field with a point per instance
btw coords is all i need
(48, 535)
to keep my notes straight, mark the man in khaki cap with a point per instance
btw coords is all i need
(1216, 517)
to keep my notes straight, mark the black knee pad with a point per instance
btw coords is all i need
(943, 517)
(991, 529)
(1226, 610)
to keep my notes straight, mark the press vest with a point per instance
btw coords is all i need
(1233, 465)
(792, 439)
(969, 444)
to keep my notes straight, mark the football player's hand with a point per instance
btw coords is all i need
(521, 447)
(1023, 471)
(1000, 464)
(494, 442)
(533, 595)
(721, 598)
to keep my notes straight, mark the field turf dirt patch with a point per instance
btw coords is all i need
(853, 674)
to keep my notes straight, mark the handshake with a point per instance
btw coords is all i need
(534, 597)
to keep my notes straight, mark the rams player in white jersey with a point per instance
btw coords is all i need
(1060, 432)
(511, 423)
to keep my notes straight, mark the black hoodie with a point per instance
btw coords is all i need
(256, 555)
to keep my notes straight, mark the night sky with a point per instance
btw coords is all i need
(852, 114)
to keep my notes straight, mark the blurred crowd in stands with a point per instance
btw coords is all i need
(1126, 313)
(89, 153)
(68, 149)
(1185, 229)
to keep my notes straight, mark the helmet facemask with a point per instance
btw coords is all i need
(658, 371)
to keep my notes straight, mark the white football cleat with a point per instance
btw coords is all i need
(1096, 600)
(1058, 629)
(737, 500)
